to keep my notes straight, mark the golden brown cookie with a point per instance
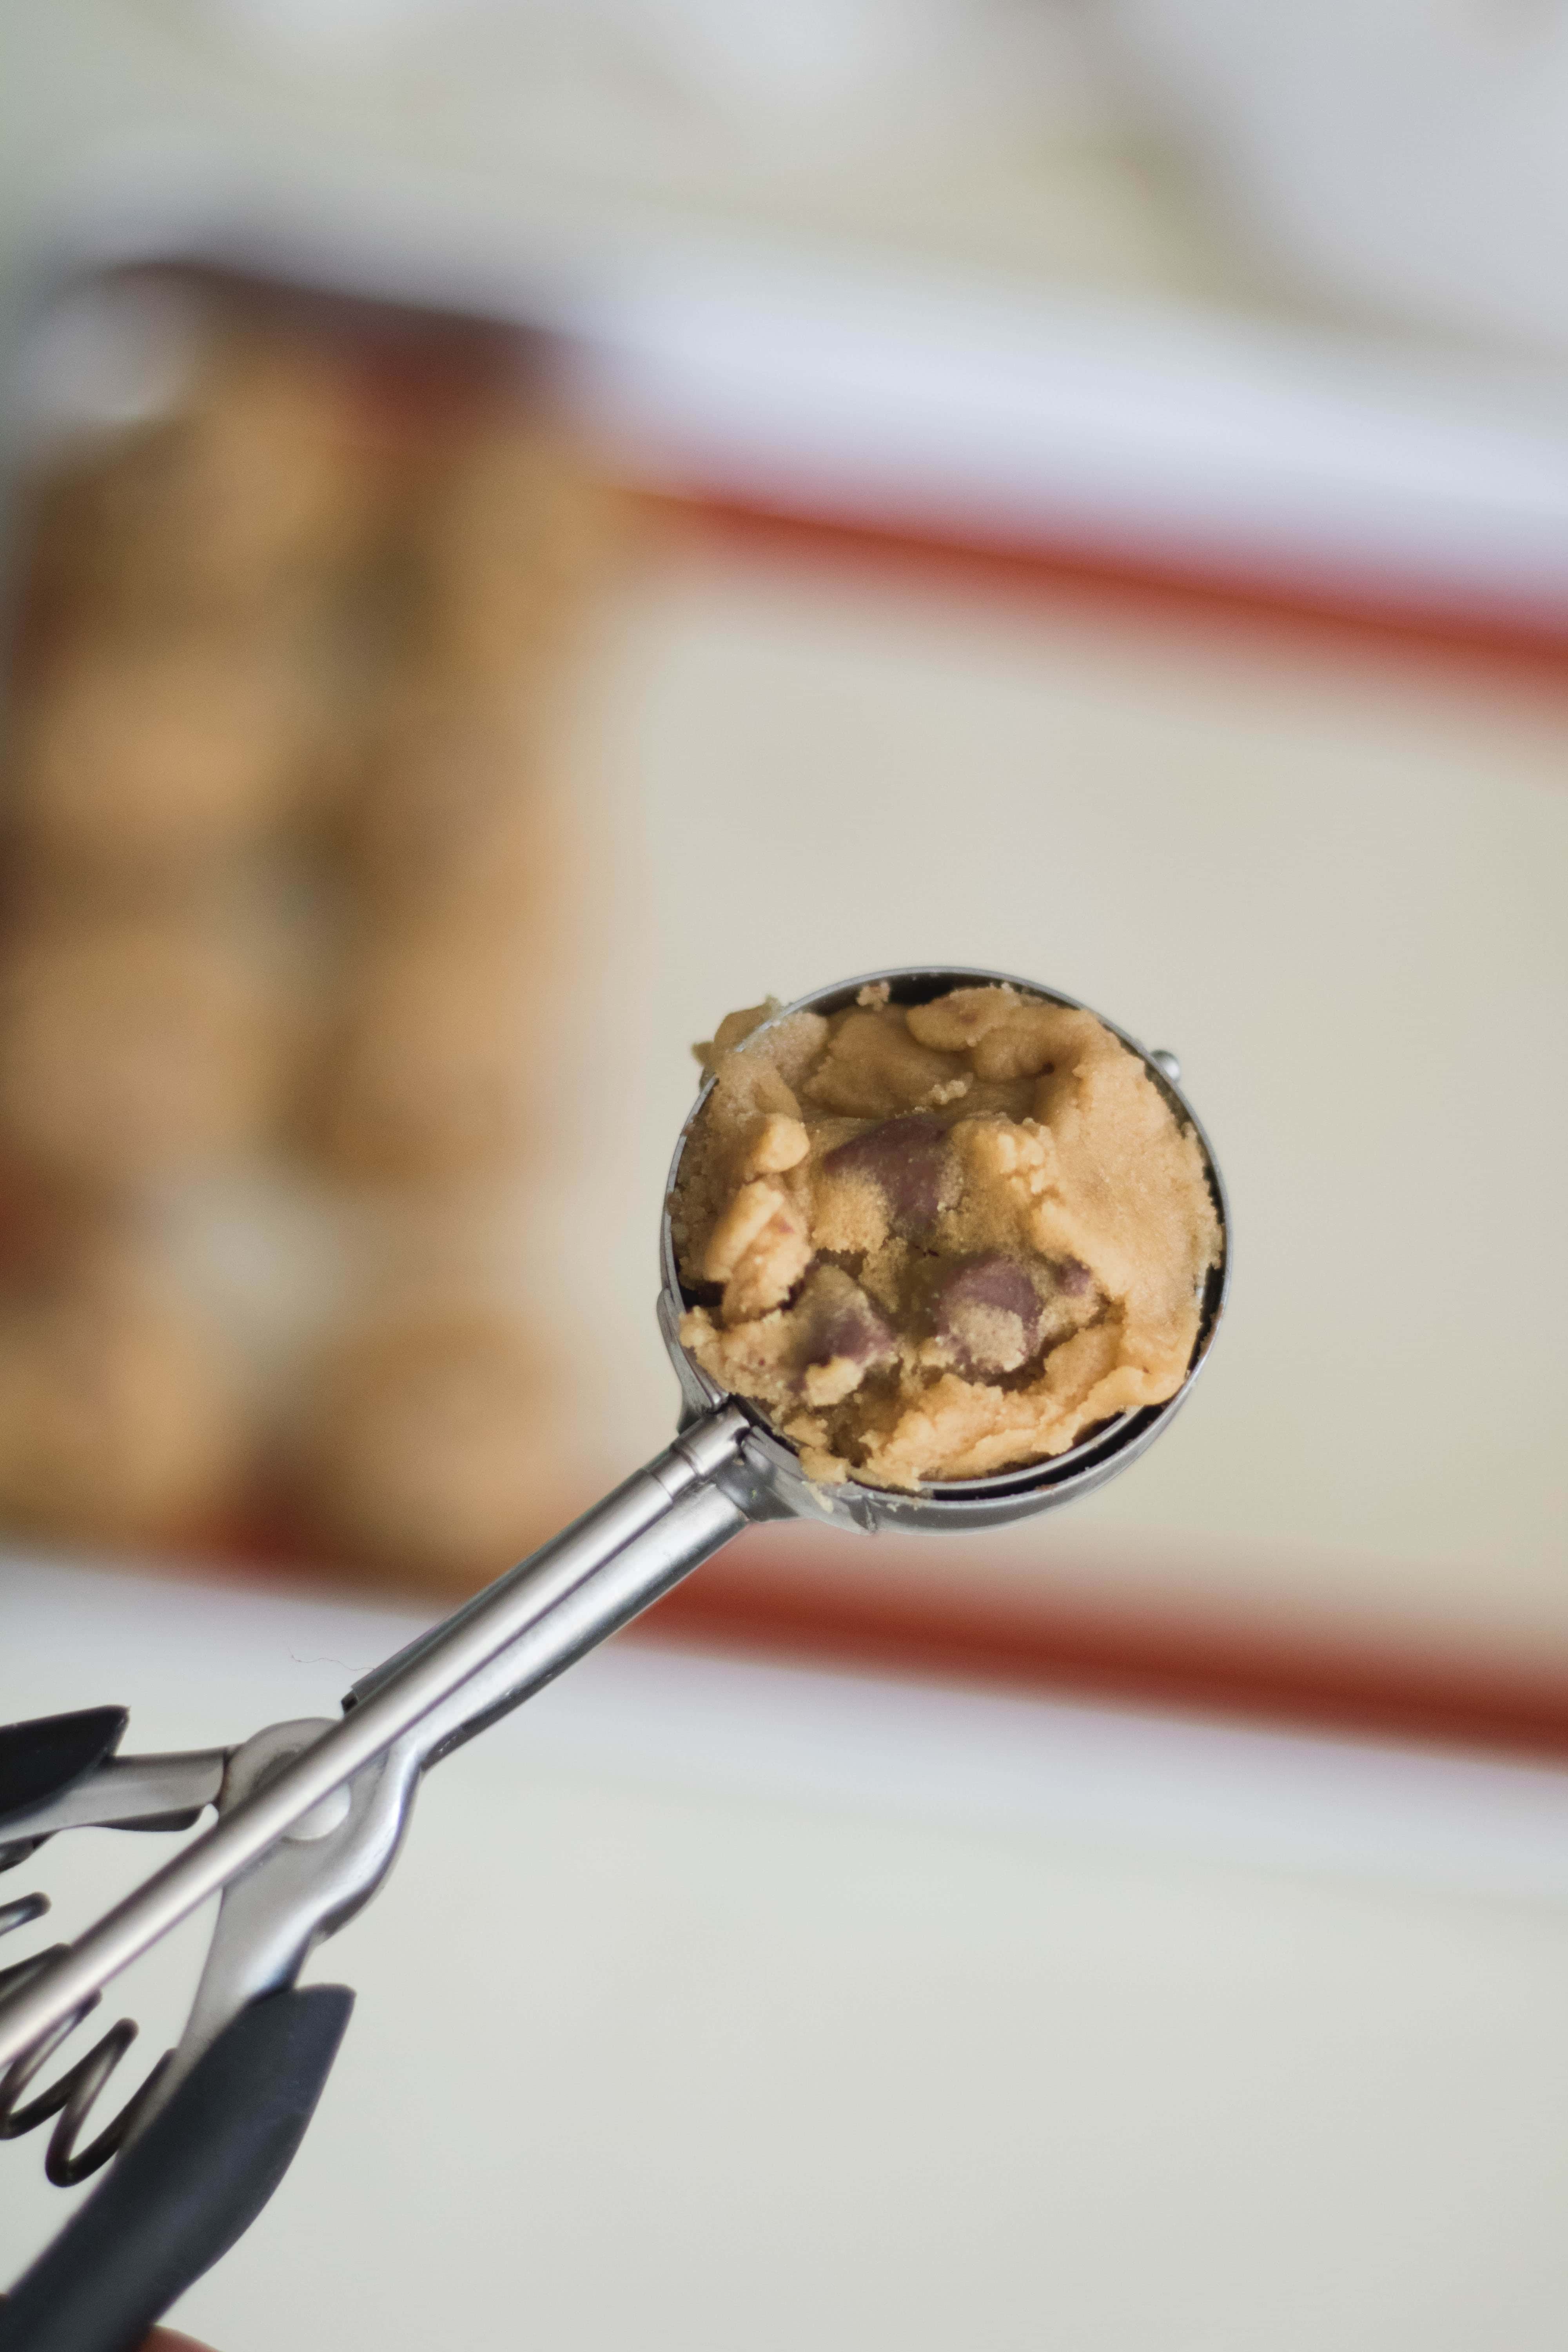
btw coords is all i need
(938, 1241)
(260, 478)
(433, 1446)
(151, 756)
(514, 528)
(131, 1050)
(450, 813)
(428, 1068)
(117, 1418)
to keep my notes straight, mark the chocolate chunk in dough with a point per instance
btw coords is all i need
(987, 1314)
(843, 1337)
(840, 1320)
(910, 1162)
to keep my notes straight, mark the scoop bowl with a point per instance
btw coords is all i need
(779, 1488)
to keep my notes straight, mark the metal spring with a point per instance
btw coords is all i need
(73, 2095)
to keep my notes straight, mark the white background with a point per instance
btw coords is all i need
(716, 2005)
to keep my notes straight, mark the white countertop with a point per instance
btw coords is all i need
(717, 2004)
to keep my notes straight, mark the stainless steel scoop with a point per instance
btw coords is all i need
(315, 1813)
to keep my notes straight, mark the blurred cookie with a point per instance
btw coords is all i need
(427, 1072)
(262, 474)
(116, 1418)
(130, 1051)
(433, 1446)
(139, 757)
(513, 529)
(450, 813)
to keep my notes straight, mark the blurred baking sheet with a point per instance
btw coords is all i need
(795, 2008)
(1291, 456)
(1314, 861)
(1324, 872)
(1152, 436)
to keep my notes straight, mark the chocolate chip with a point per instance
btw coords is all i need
(1073, 1280)
(841, 1322)
(988, 1312)
(910, 1160)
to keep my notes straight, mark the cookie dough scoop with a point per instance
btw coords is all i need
(310, 1816)
(939, 1273)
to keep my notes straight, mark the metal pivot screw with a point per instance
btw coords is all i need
(1167, 1064)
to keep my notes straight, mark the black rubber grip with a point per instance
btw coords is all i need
(37, 1759)
(191, 2184)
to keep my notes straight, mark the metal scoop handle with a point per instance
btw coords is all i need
(530, 1624)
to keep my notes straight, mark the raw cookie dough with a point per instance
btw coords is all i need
(939, 1240)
